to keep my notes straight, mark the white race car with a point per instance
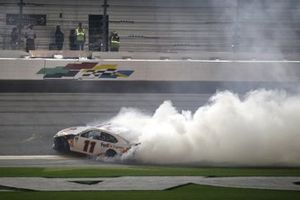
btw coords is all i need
(102, 140)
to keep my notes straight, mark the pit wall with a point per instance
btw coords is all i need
(149, 70)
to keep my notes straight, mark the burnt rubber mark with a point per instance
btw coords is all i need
(75, 86)
(86, 182)
(4, 187)
(179, 186)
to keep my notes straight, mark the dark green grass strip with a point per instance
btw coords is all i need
(186, 192)
(76, 172)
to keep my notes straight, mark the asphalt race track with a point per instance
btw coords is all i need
(28, 121)
(33, 111)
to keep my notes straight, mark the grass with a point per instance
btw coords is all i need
(186, 192)
(77, 172)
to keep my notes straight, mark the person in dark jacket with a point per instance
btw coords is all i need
(59, 38)
(14, 37)
(72, 40)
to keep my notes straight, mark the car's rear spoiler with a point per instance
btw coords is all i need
(135, 144)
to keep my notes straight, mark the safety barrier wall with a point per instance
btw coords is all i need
(20, 69)
(149, 70)
(152, 55)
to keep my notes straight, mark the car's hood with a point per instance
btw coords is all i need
(70, 131)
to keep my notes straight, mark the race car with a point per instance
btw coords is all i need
(102, 140)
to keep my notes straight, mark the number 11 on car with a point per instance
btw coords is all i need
(88, 144)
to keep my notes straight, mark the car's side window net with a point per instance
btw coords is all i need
(97, 135)
(85, 135)
(108, 138)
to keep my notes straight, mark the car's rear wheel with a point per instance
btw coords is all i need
(110, 153)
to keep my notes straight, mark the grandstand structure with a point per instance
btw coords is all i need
(169, 25)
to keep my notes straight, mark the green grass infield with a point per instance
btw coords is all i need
(190, 191)
(78, 172)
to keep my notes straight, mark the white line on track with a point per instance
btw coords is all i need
(32, 157)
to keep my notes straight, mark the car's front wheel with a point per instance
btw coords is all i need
(61, 144)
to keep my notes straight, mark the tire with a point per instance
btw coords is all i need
(110, 153)
(66, 146)
(61, 144)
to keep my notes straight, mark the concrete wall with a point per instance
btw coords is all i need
(149, 70)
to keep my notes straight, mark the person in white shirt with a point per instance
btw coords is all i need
(30, 37)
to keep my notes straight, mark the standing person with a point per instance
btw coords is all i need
(59, 38)
(114, 41)
(14, 38)
(72, 40)
(30, 37)
(80, 37)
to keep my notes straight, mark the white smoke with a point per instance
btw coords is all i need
(262, 128)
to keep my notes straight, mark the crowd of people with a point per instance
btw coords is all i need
(77, 39)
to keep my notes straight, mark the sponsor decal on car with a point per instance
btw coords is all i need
(105, 145)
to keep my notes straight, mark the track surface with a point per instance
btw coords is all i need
(31, 112)
(28, 121)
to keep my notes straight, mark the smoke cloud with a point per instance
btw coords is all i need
(259, 129)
